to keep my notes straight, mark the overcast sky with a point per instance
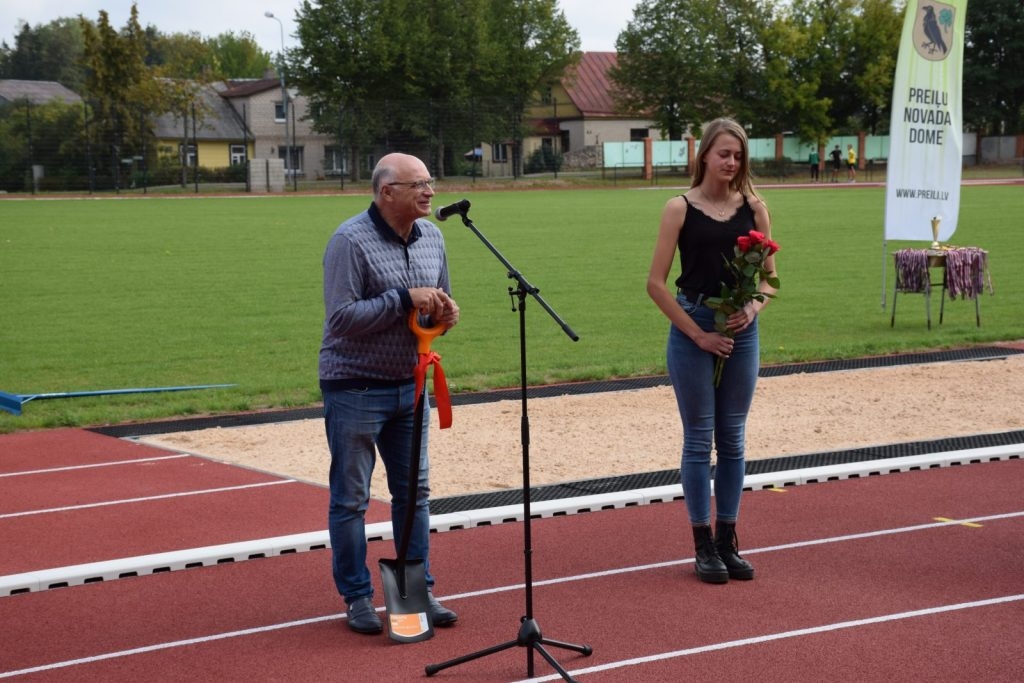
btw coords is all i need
(597, 21)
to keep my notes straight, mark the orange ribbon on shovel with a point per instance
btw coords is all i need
(424, 337)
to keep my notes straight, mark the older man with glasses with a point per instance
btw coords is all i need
(379, 265)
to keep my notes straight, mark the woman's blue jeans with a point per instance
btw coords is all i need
(712, 415)
(357, 420)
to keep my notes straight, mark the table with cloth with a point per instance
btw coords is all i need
(965, 274)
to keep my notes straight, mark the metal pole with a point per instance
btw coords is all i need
(557, 142)
(341, 145)
(195, 145)
(295, 161)
(284, 100)
(245, 147)
(31, 151)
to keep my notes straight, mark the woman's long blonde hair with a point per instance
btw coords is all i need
(743, 182)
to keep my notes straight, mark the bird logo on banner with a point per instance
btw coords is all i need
(934, 33)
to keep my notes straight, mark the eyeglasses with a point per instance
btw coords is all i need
(419, 185)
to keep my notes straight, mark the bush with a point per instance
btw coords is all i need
(544, 159)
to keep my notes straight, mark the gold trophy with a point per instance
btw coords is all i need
(935, 231)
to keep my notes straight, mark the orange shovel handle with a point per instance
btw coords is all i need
(424, 335)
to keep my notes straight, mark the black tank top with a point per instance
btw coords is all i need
(703, 242)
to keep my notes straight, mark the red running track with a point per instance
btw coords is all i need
(70, 497)
(859, 579)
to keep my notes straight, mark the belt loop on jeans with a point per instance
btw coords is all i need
(695, 297)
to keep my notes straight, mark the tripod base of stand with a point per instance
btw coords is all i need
(529, 637)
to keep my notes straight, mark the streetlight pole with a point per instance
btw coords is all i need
(284, 104)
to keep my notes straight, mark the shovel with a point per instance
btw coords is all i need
(405, 580)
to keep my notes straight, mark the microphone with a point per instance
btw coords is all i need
(460, 207)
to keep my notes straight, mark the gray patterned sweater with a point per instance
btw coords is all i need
(368, 272)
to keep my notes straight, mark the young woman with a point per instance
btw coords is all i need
(703, 225)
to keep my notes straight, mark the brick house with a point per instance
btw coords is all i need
(259, 103)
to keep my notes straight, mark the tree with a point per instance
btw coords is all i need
(828, 29)
(993, 89)
(672, 63)
(808, 66)
(831, 66)
(123, 94)
(377, 74)
(527, 46)
(239, 55)
(876, 42)
(436, 77)
(343, 64)
(745, 49)
(38, 134)
(181, 55)
(794, 101)
(50, 52)
(191, 56)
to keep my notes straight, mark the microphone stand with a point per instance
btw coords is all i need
(529, 635)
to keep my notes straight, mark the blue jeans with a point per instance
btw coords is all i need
(357, 420)
(709, 413)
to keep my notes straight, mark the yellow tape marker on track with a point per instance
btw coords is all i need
(968, 524)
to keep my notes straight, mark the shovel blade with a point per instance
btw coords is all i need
(405, 598)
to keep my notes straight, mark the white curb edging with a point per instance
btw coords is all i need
(96, 572)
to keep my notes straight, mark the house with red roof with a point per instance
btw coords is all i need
(574, 117)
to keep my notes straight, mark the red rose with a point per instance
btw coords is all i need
(756, 238)
(772, 245)
(743, 243)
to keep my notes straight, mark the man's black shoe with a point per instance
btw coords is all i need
(362, 618)
(439, 614)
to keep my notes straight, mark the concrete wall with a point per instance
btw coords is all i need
(266, 175)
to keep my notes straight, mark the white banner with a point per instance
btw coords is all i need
(926, 131)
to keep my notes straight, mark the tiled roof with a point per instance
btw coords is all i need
(37, 92)
(250, 87)
(589, 87)
(216, 120)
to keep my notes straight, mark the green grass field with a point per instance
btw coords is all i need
(123, 293)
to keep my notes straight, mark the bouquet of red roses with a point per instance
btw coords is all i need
(748, 269)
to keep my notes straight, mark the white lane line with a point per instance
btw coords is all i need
(567, 579)
(797, 633)
(126, 501)
(784, 546)
(98, 464)
(167, 646)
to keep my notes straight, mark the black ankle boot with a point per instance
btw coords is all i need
(709, 566)
(728, 550)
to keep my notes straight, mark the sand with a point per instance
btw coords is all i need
(576, 437)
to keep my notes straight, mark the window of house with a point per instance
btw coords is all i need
(279, 112)
(499, 152)
(334, 161)
(187, 154)
(638, 134)
(294, 164)
(237, 154)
